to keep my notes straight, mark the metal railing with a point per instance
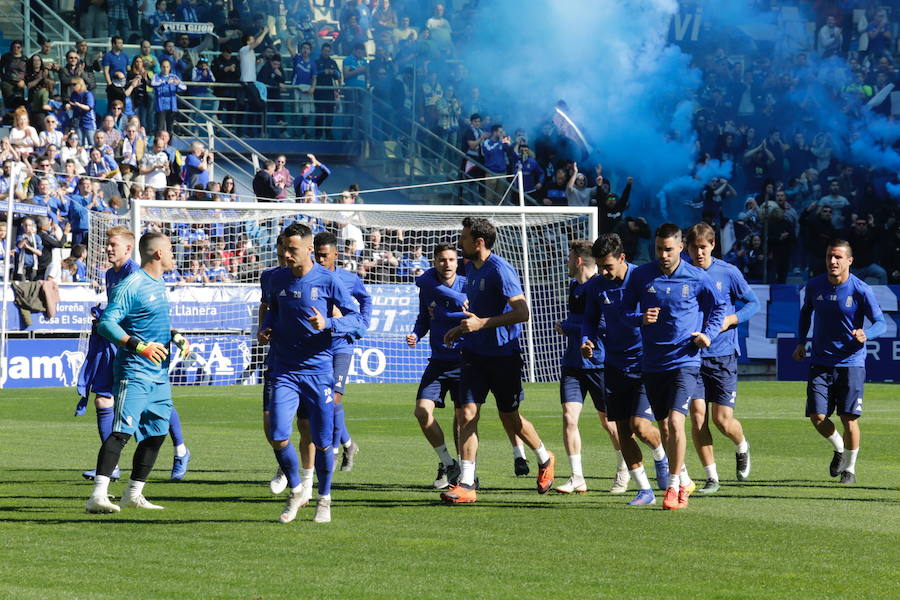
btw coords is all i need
(341, 119)
(228, 147)
(42, 20)
(413, 153)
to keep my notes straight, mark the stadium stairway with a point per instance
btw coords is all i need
(11, 22)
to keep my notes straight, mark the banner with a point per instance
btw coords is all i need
(185, 27)
(23, 208)
(222, 318)
(882, 360)
(41, 363)
(229, 360)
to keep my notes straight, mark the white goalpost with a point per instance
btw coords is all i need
(220, 249)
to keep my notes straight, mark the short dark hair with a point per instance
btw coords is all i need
(78, 250)
(581, 248)
(474, 116)
(839, 243)
(306, 44)
(667, 230)
(443, 247)
(325, 45)
(701, 231)
(113, 39)
(325, 238)
(606, 244)
(481, 228)
(298, 229)
(496, 127)
(147, 241)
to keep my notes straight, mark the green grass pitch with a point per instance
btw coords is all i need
(789, 532)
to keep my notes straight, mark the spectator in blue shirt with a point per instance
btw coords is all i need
(176, 64)
(78, 253)
(83, 115)
(173, 276)
(498, 156)
(217, 273)
(304, 77)
(185, 13)
(154, 19)
(532, 173)
(414, 264)
(203, 74)
(167, 84)
(28, 249)
(879, 34)
(312, 175)
(196, 165)
(356, 68)
(115, 59)
(77, 215)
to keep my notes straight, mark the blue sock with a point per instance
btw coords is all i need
(104, 422)
(175, 428)
(290, 464)
(324, 469)
(340, 427)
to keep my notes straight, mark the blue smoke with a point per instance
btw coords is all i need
(894, 190)
(684, 191)
(627, 89)
(633, 94)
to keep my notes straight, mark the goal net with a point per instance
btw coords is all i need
(221, 248)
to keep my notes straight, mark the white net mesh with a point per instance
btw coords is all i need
(221, 249)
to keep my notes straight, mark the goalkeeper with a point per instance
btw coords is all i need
(137, 321)
(97, 371)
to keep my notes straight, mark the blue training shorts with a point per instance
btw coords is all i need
(498, 375)
(142, 408)
(312, 395)
(267, 392)
(341, 365)
(626, 396)
(671, 390)
(575, 384)
(439, 378)
(835, 388)
(718, 380)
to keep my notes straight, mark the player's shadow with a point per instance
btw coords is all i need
(722, 497)
(211, 482)
(393, 488)
(807, 483)
(487, 502)
(113, 520)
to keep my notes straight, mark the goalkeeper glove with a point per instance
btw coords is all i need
(152, 351)
(182, 343)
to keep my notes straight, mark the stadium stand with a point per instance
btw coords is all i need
(85, 95)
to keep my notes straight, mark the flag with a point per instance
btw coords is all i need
(568, 129)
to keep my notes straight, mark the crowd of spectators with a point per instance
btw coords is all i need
(792, 185)
(789, 190)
